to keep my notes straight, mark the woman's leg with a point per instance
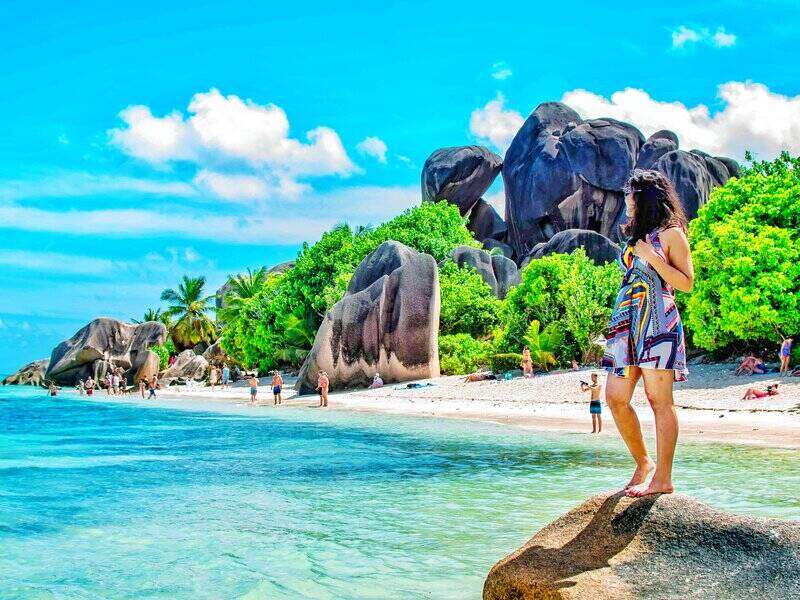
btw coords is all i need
(619, 391)
(658, 387)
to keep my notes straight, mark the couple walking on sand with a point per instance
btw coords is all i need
(645, 337)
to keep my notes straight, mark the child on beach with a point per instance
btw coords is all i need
(785, 355)
(253, 381)
(527, 363)
(323, 383)
(595, 408)
(277, 384)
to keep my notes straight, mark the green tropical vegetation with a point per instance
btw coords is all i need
(468, 303)
(543, 344)
(746, 250)
(155, 314)
(191, 308)
(461, 353)
(164, 351)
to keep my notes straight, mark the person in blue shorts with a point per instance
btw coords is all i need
(277, 385)
(595, 408)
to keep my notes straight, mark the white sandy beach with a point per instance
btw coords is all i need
(709, 404)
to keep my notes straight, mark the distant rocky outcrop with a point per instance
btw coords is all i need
(188, 366)
(499, 272)
(460, 175)
(101, 344)
(215, 354)
(30, 374)
(387, 322)
(669, 546)
(563, 172)
(597, 247)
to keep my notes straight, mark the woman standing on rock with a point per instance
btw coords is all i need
(645, 337)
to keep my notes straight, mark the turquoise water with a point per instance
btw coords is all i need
(112, 500)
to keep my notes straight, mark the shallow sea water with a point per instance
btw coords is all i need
(106, 499)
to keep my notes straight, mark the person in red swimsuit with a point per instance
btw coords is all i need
(757, 394)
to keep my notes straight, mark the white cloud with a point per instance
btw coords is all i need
(302, 220)
(723, 39)
(684, 36)
(501, 71)
(498, 201)
(374, 147)
(494, 124)
(56, 262)
(243, 187)
(226, 133)
(751, 118)
(84, 184)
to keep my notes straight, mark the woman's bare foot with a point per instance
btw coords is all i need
(646, 489)
(640, 474)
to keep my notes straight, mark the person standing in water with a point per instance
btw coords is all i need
(785, 355)
(253, 381)
(277, 385)
(323, 383)
(645, 336)
(595, 408)
(89, 385)
(53, 389)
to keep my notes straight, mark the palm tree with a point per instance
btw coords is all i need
(543, 344)
(191, 307)
(299, 332)
(240, 288)
(155, 314)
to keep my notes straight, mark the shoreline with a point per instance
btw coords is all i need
(708, 405)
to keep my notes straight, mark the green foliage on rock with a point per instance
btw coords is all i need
(468, 303)
(461, 353)
(164, 351)
(277, 325)
(746, 249)
(566, 291)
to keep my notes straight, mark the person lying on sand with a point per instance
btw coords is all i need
(480, 376)
(751, 365)
(756, 394)
(595, 408)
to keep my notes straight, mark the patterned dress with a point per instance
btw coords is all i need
(645, 328)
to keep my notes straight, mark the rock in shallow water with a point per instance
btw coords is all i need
(653, 547)
(30, 374)
(387, 322)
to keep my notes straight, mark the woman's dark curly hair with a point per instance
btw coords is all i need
(656, 204)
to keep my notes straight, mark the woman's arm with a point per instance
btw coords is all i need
(678, 270)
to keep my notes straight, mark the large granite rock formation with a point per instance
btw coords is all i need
(215, 354)
(597, 247)
(104, 342)
(653, 547)
(499, 272)
(485, 223)
(460, 175)
(563, 172)
(387, 322)
(146, 365)
(188, 366)
(30, 374)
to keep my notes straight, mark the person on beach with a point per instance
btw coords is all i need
(226, 375)
(115, 382)
(785, 355)
(142, 386)
(53, 389)
(527, 363)
(645, 336)
(253, 381)
(756, 394)
(751, 365)
(277, 385)
(377, 382)
(80, 389)
(89, 385)
(153, 387)
(595, 408)
(212, 376)
(575, 365)
(109, 378)
(323, 383)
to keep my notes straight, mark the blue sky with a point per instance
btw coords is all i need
(142, 142)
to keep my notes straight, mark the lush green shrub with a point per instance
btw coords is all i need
(277, 326)
(746, 249)
(567, 291)
(468, 303)
(507, 361)
(164, 351)
(461, 353)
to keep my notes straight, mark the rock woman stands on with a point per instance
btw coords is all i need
(645, 337)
